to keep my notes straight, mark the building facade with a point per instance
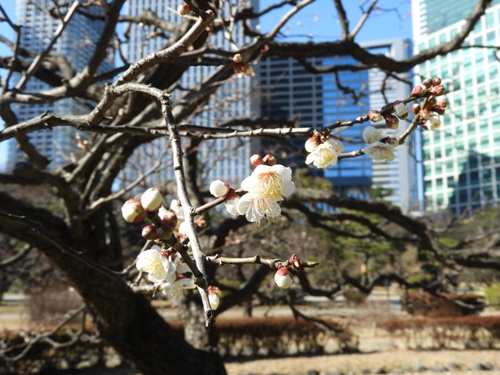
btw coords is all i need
(460, 159)
(76, 44)
(314, 100)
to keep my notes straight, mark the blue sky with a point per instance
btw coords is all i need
(316, 22)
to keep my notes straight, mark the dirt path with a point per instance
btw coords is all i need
(389, 360)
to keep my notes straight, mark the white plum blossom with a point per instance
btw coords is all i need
(371, 134)
(326, 153)
(232, 205)
(219, 188)
(255, 208)
(179, 212)
(433, 123)
(269, 182)
(156, 265)
(380, 152)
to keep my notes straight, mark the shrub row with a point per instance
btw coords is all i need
(447, 304)
(280, 336)
(465, 332)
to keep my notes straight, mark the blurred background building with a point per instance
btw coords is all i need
(461, 162)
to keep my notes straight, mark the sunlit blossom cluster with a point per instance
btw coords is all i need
(165, 270)
(323, 150)
(428, 114)
(264, 189)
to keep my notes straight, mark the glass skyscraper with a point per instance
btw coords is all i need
(461, 162)
(76, 44)
(314, 100)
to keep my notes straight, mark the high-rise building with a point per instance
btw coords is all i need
(461, 162)
(227, 160)
(76, 44)
(315, 100)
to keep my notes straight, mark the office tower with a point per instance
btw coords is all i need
(461, 162)
(227, 160)
(290, 91)
(76, 44)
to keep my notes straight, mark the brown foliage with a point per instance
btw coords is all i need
(446, 304)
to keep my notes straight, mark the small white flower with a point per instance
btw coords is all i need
(282, 278)
(232, 206)
(401, 109)
(433, 123)
(179, 212)
(322, 156)
(269, 182)
(151, 199)
(132, 211)
(380, 152)
(219, 188)
(256, 208)
(157, 266)
(371, 134)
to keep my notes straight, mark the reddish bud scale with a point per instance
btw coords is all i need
(436, 81)
(416, 108)
(237, 58)
(437, 90)
(168, 217)
(418, 91)
(256, 160)
(149, 232)
(269, 160)
(392, 122)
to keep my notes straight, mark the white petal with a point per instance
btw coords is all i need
(288, 188)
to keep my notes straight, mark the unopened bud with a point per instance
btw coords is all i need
(231, 203)
(437, 90)
(219, 188)
(416, 108)
(237, 58)
(442, 104)
(436, 81)
(392, 122)
(168, 217)
(149, 232)
(424, 114)
(312, 143)
(401, 110)
(374, 115)
(214, 297)
(427, 83)
(152, 199)
(419, 91)
(269, 160)
(433, 123)
(184, 9)
(282, 278)
(256, 160)
(132, 211)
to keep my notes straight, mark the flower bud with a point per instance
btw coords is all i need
(437, 90)
(256, 160)
(401, 110)
(390, 140)
(427, 83)
(392, 122)
(168, 217)
(184, 9)
(424, 114)
(312, 143)
(219, 188)
(214, 297)
(436, 81)
(269, 160)
(244, 68)
(282, 278)
(237, 58)
(374, 115)
(132, 211)
(416, 108)
(149, 232)
(442, 104)
(419, 91)
(151, 199)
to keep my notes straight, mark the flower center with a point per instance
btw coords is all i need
(152, 265)
(269, 185)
